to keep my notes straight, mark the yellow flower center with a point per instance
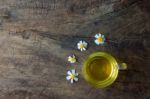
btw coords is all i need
(72, 76)
(72, 59)
(81, 46)
(100, 39)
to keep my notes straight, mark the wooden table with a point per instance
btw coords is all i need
(37, 36)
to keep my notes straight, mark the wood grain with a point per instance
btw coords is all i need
(36, 37)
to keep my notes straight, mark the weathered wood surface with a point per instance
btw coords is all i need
(36, 37)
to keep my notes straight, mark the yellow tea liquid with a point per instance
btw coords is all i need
(99, 68)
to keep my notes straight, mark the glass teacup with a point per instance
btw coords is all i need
(101, 69)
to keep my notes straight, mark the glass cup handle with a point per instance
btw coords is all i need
(123, 66)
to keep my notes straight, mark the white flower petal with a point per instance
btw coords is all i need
(84, 49)
(69, 73)
(96, 41)
(71, 62)
(73, 71)
(78, 47)
(85, 44)
(103, 36)
(69, 57)
(99, 34)
(96, 36)
(104, 39)
(71, 81)
(80, 42)
(68, 77)
(73, 56)
(76, 79)
(76, 74)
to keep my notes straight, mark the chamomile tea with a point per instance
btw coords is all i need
(99, 68)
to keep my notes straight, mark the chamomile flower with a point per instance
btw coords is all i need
(82, 45)
(72, 76)
(100, 39)
(72, 59)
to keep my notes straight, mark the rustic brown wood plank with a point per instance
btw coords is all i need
(36, 37)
